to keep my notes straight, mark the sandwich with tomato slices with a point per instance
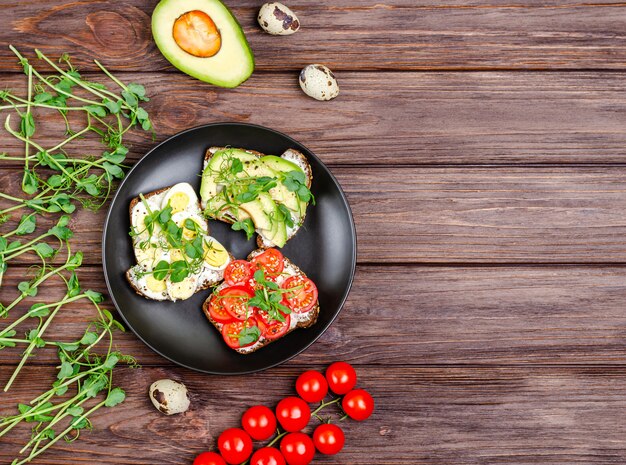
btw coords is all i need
(261, 300)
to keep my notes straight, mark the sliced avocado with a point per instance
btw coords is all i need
(203, 39)
(277, 231)
(289, 199)
(208, 186)
(256, 211)
(279, 164)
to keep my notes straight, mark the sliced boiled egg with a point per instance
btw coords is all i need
(183, 289)
(147, 284)
(181, 197)
(181, 218)
(150, 255)
(215, 255)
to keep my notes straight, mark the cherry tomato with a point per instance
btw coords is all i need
(328, 439)
(297, 448)
(235, 301)
(274, 329)
(271, 261)
(302, 299)
(235, 445)
(341, 377)
(231, 330)
(259, 422)
(358, 404)
(312, 386)
(237, 273)
(267, 456)
(217, 310)
(209, 458)
(293, 414)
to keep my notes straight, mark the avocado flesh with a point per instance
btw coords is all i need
(229, 67)
(277, 232)
(289, 199)
(279, 164)
(208, 186)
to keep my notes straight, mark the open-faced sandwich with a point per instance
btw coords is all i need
(261, 300)
(257, 192)
(176, 256)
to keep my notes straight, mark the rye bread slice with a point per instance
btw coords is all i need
(311, 317)
(207, 284)
(292, 155)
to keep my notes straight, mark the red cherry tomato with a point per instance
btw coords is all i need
(304, 297)
(231, 332)
(235, 301)
(297, 448)
(271, 261)
(358, 404)
(235, 445)
(267, 456)
(274, 329)
(341, 377)
(209, 458)
(293, 414)
(259, 422)
(237, 273)
(312, 386)
(329, 439)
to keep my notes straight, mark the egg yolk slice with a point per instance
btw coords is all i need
(154, 284)
(215, 254)
(178, 201)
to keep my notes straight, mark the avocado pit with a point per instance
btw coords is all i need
(196, 33)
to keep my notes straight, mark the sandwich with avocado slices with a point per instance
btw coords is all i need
(258, 193)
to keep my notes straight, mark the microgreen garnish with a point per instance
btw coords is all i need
(53, 175)
(246, 225)
(247, 335)
(268, 298)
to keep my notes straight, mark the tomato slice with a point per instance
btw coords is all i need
(237, 273)
(235, 301)
(303, 297)
(277, 329)
(271, 261)
(217, 310)
(231, 330)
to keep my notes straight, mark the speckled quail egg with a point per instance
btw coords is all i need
(277, 19)
(169, 396)
(318, 82)
(181, 197)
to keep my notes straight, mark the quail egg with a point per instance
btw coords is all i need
(318, 82)
(277, 19)
(181, 197)
(169, 397)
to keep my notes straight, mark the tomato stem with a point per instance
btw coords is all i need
(325, 404)
(278, 436)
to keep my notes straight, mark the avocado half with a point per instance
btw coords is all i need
(233, 62)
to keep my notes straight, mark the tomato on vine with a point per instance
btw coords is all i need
(209, 458)
(267, 456)
(293, 414)
(328, 439)
(259, 422)
(235, 446)
(341, 377)
(297, 448)
(358, 404)
(312, 386)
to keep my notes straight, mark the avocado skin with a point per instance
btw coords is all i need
(185, 62)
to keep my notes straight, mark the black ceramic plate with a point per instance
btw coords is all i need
(325, 249)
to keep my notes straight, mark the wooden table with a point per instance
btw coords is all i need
(482, 148)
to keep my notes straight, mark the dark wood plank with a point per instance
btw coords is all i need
(437, 416)
(398, 118)
(500, 315)
(398, 34)
(461, 215)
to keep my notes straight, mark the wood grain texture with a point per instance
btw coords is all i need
(464, 416)
(363, 35)
(487, 316)
(396, 118)
(460, 215)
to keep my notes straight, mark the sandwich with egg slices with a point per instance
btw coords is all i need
(176, 256)
(255, 192)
